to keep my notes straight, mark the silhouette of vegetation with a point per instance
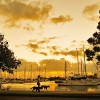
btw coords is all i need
(93, 53)
(7, 60)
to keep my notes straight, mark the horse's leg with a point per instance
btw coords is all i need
(36, 90)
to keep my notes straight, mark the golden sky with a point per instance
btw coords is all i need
(40, 30)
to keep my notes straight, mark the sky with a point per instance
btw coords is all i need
(45, 30)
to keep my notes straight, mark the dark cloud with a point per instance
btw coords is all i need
(18, 10)
(33, 47)
(43, 41)
(61, 19)
(53, 47)
(56, 53)
(28, 65)
(53, 64)
(91, 12)
(74, 53)
(36, 49)
(65, 52)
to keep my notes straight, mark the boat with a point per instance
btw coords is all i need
(77, 77)
(61, 80)
(79, 80)
(78, 83)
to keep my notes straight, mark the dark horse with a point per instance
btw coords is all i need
(45, 87)
(36, 88)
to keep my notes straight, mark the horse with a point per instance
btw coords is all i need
(36, 88)
(45, 87)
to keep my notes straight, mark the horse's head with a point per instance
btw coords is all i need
(41, 87)
(48, 86)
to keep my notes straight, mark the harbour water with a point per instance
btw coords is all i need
(53, 87)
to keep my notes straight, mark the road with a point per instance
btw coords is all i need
(43, 98)
(47, 95)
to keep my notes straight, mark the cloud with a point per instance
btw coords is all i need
(74, 53)
(53, 67)
(33, 47)
(43, 53)
(28, 65)
(20, 45)
(46, 40)
(36, 45)
(28, 28)
(74, 41)
(53, 47)
(53, 64)
(91, 12)
(32, 40)
(18, 10)
(56, 53)
(43, 41)
(65, 52)
(36, 49)
(61, 19)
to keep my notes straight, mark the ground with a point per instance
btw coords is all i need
(48, 95)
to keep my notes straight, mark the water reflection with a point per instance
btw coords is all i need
(53, 87)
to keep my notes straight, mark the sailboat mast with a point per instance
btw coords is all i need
(65, 68)
(81, 67)
(25, 72)
(84, 62)
(45, 72)
(77, 60)
(31, 72)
